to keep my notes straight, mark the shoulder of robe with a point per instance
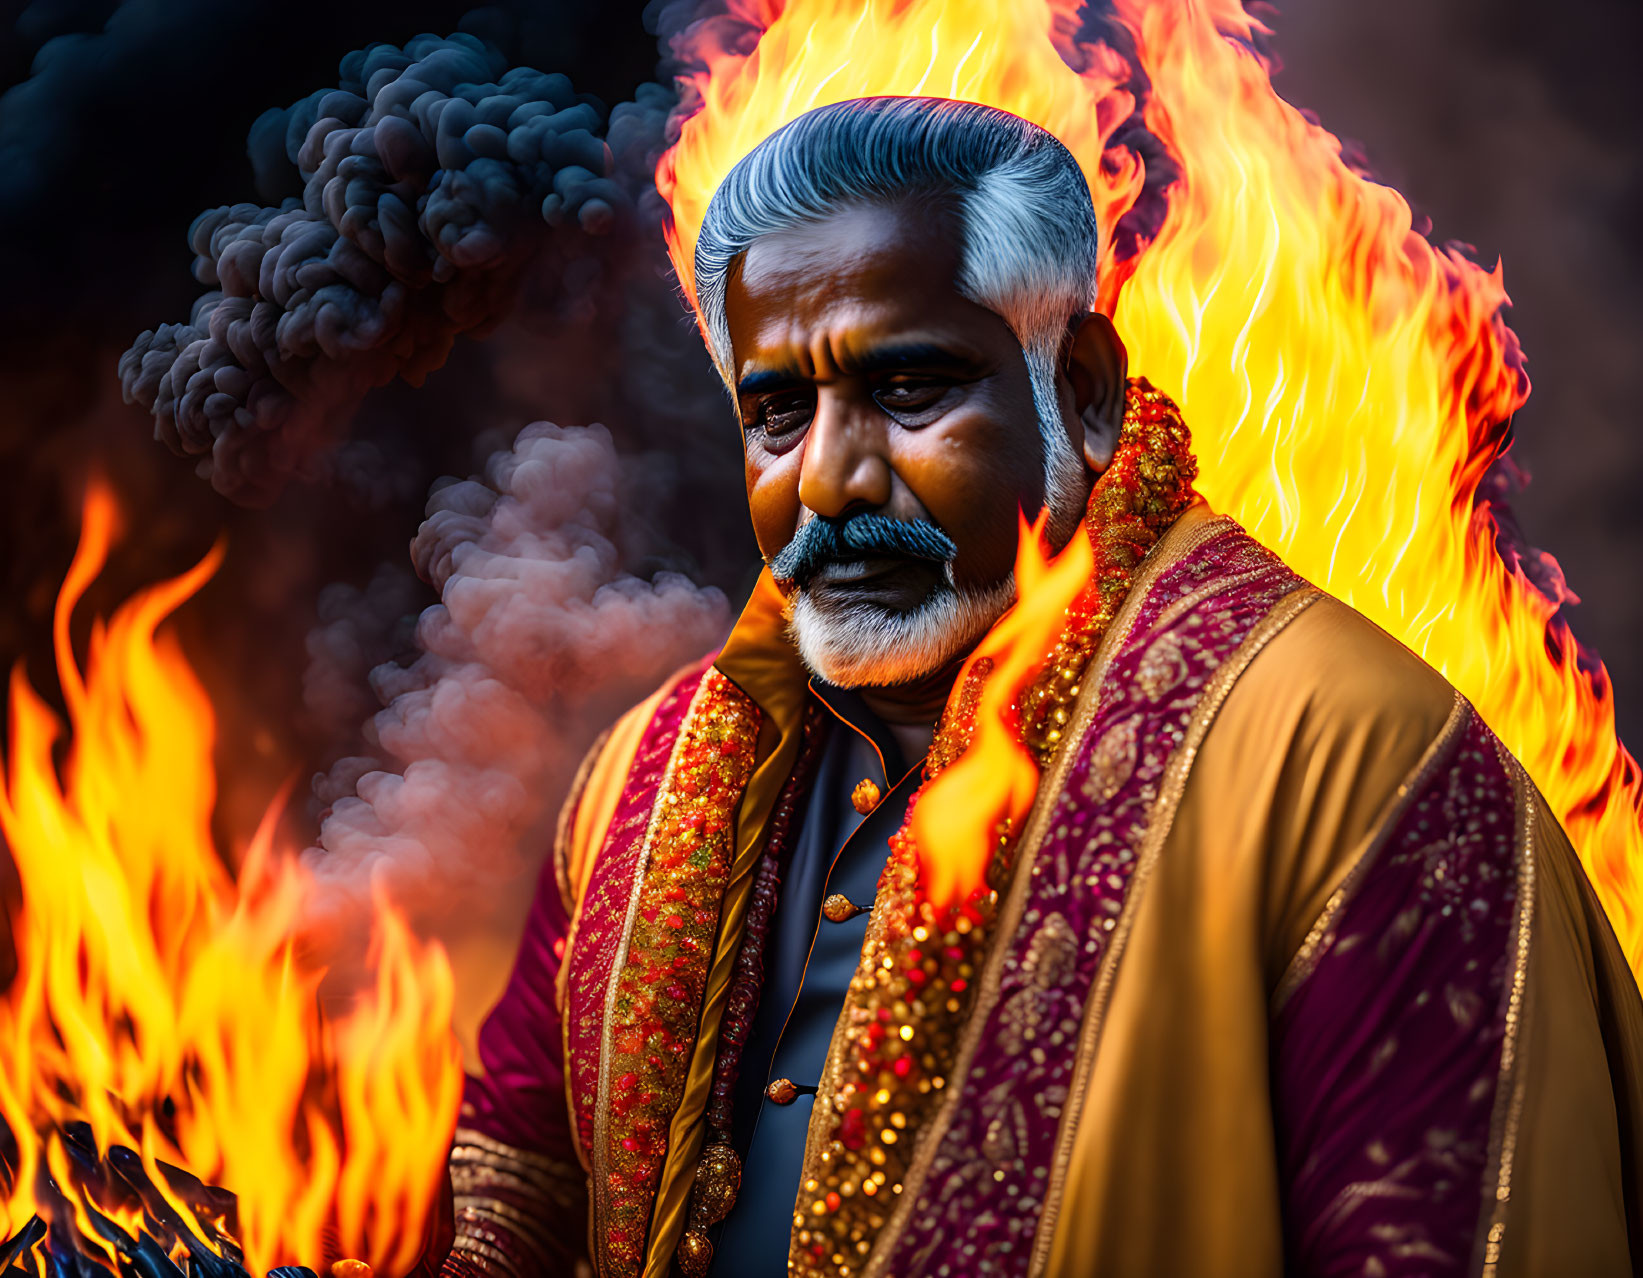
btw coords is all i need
(591, 801)
(1305, 758)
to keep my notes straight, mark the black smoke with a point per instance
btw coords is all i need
(428, 179)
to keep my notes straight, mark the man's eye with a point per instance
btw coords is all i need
(783, 415)
(910, 396)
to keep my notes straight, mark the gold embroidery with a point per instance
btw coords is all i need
(1503, 1126)
(493, 1260)
(1112, 760)
(1158, 828)
(909, 1008)
(653, 1004)
(478, 1147)
(1162, 667)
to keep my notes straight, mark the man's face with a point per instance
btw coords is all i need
(867, 384)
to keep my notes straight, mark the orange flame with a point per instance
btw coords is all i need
(1346, 382)
(164, 1004)
(993, 782)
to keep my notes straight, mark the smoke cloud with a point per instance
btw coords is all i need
(429, 176)
(542, 636)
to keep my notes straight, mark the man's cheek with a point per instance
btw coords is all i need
(773, 504)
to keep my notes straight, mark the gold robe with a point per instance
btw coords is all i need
(1295, 769)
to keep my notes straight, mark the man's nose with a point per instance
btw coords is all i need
(846, 462)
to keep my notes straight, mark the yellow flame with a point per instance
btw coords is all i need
(1346, 382)
(992, 784)
(163, 1002)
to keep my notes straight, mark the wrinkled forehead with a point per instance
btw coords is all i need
(865, 275)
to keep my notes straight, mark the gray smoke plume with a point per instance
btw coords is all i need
(429, 176)
(542, 636)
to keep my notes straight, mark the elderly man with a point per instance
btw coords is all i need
(1285, 969)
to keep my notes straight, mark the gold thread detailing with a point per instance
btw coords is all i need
(497, 1227)
(865, 797)
(1503, 1125)
(479, 1164)
(1159, 824)
(1180, 541)
(1010, 915)
(482, 1168)
(909, 1003)
(718, 1180)
(653, 1008)
(1321, 936)
(475, 1146)
(567, 816)
(487, 1258)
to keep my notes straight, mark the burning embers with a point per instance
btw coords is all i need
(163, 1017)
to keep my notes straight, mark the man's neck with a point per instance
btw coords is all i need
(911, 710)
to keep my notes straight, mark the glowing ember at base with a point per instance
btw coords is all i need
(143, 1257)
(162, 1011)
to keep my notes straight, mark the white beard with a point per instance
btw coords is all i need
(859, 645)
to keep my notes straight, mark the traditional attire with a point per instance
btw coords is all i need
(1293, 971)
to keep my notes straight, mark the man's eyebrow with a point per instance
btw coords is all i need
(768, 379)
(888, 359)
(879, 359)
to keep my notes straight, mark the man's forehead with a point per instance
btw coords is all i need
(833, 291)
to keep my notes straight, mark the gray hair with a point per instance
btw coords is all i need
(1030, 242)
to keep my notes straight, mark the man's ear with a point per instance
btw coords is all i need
(1097, 368)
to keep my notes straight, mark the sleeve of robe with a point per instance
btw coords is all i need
(1455, 1042)
(518, 1185)
(1371, 1020)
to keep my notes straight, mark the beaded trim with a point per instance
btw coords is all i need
(599, 928)
(719, 1171)
(654, 1005)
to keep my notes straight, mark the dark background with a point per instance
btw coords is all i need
(1514, 126)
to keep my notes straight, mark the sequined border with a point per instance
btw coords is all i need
(1509, 1090)
(599, 922)
(653, 1005)
(1159, 823)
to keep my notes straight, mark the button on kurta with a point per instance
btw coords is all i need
(784, 1091)
(839, 908)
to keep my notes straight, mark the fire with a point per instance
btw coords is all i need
(992, 784)
(812, 54)
(162, 1000)
(1347, 383)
